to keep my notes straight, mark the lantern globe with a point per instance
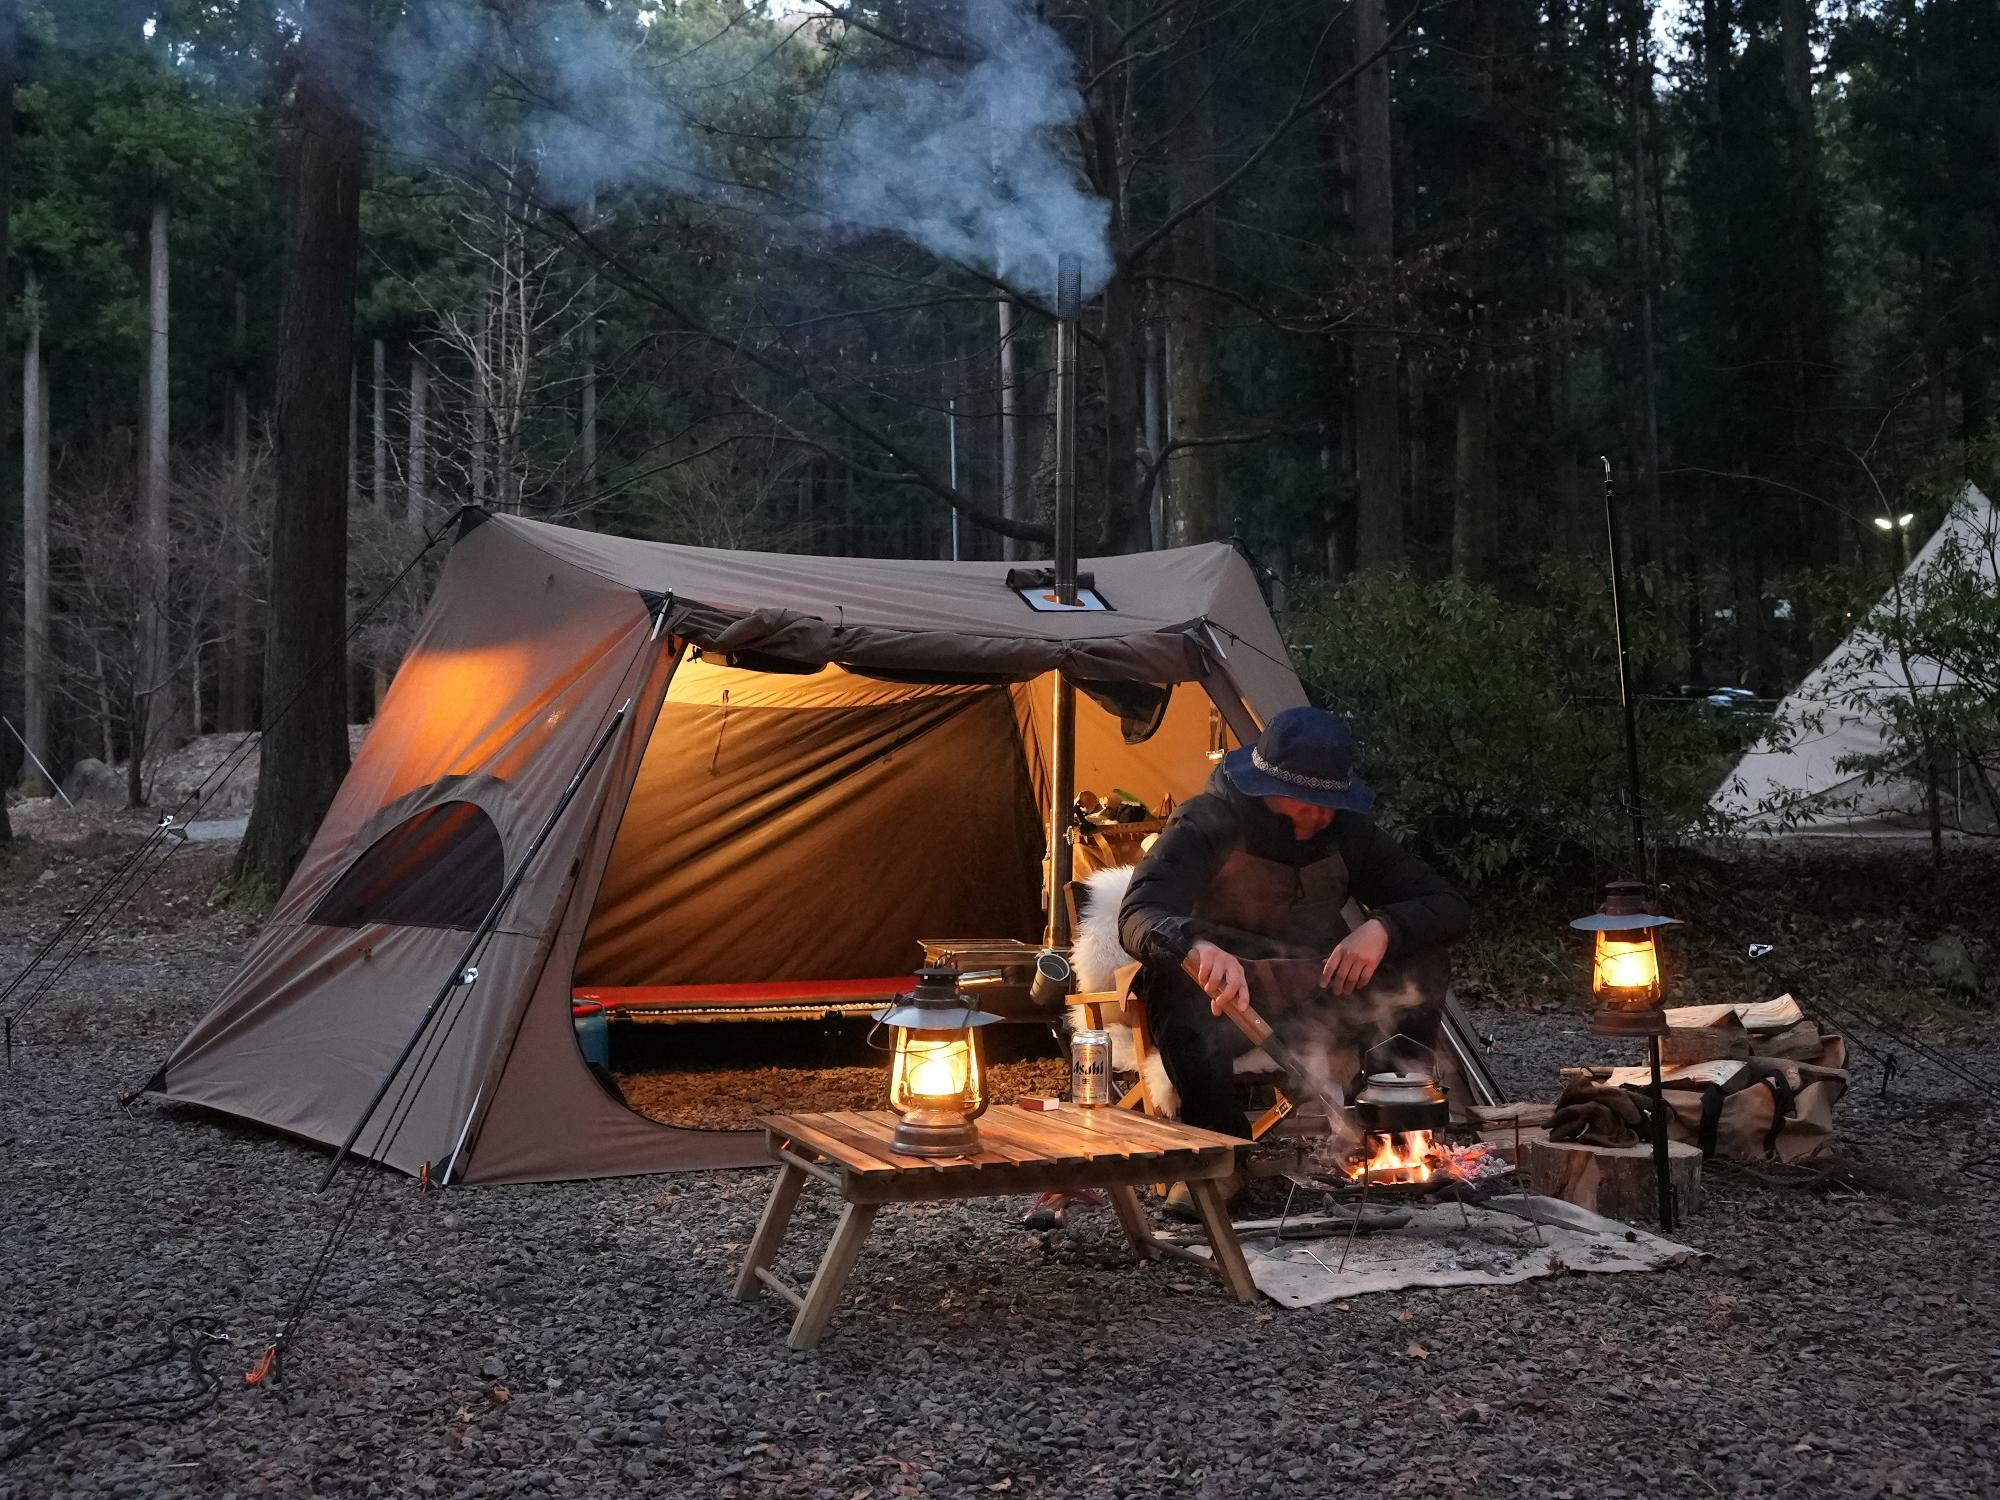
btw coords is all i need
(937, 1069)
(1625, 966)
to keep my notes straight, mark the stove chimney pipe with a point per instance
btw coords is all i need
(1069, 307)
(1062, 728)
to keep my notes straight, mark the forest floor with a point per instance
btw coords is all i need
(580, 1339)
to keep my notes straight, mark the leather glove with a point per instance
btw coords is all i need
(1597, 1114)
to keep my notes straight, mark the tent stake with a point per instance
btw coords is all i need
(463, 972)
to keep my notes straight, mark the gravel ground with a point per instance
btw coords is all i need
(581, 1340)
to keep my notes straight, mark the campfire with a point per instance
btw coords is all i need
(1403, 1118)
(1413, 1158)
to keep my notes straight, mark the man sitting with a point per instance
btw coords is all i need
(1240, 903)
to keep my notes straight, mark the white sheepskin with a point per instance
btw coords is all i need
(1097, 957)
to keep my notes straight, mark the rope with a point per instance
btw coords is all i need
(187, 1343)
(92, 915)
(1848, 1015)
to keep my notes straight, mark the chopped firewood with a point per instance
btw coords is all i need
(1489, 1116)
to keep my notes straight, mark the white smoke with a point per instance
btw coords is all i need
(968, 160)
(968, 156)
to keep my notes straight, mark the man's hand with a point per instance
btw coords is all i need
(1220, 975)
(1351, 965)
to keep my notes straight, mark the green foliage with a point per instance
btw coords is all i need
(1491, 729)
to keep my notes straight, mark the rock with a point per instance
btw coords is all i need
(492, 1367)
(91, 783)
(1950, 960)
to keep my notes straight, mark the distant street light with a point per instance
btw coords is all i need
(1901, 527)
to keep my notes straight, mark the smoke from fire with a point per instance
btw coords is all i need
(964, 154)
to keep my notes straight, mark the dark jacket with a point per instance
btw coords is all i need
(1156, 922)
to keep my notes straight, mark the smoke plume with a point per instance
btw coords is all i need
(967, 154)
(966, 160)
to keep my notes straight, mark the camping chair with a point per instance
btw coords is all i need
(1123, 1006)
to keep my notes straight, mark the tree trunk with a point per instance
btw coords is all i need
(588, 435)
(10, 29)
(304, 750)
(1191, 305)
(153, 709)
(416, 503)
(34, 542)
(236, 712)
(1155, 433)
(1121, 528)
(1639, 14)
(1812, 352)
(353, 438)
(379, 459)
(1378, 448)
(1013, 497)
(482, 366)
(1475, 531)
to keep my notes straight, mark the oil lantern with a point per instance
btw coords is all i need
(937, 1073)
(1625, 969)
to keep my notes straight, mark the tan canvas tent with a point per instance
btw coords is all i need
(1808, 785)
(823, 760)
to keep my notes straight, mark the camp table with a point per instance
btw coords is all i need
(1022, 1152)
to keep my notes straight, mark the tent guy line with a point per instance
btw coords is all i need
(96, 910)
(464, 975)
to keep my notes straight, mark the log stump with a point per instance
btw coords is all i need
(1615, 1181)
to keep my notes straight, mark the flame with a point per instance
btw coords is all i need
(1416, 1157)
(1627, 965)
(938, 1070)
(1400, 1156)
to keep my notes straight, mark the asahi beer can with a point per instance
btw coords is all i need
(1090, 1068)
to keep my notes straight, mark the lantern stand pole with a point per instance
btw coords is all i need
(1662, 1176)
(1062, 723)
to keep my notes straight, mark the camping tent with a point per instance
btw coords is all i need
(1810, 785)
(824, 760)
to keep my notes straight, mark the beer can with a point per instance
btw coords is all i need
(1090, 1068)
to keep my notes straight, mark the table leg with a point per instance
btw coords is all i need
(770, 1230)
(1132, 1219)
(824, 1294)
(1222, 1240)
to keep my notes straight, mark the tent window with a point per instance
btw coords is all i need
(441, 868)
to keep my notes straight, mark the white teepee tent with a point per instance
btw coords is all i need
(1809, 786)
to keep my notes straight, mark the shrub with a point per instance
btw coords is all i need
(1491, 729)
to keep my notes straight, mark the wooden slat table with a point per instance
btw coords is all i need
(1022, 1152)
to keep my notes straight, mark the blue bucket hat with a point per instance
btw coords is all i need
(1304, 753)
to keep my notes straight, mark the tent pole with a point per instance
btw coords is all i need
(462, 972)
(1663, 1186)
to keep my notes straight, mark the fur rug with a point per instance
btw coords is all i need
(1097, 957)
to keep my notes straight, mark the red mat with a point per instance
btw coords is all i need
(781, 992)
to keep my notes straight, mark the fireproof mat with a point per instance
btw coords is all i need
(1512, 1238)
